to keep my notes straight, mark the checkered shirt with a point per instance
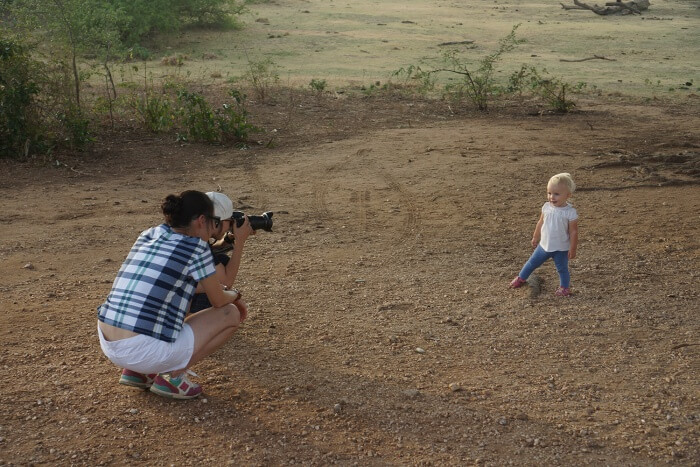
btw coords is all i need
(156, 283)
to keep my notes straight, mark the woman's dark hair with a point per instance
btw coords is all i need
(180, 210)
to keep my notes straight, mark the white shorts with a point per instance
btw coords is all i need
(146, 354)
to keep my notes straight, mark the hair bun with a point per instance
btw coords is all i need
(171, 205)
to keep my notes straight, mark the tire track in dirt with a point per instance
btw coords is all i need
(407, 231)
(256, 182)
(320, 204)
(360, 200)
(320, 188)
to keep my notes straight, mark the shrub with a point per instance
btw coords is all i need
(553, 90)
(202, 123)
(233, 119)
(20, 125)
(318, 85)
(262, 76)
(416, 78)
(477, 84)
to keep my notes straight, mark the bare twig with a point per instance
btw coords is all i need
(59, 163)
(595, 57)
(679, 346)
(455, 43)
(571, 7)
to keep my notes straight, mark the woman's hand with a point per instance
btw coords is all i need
(242, 308)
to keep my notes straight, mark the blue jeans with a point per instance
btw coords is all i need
(539, 256)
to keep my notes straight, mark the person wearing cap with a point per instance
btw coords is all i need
(227, 233)
(143, 325)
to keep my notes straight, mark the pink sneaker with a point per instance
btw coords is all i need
(176, 388)
(136, 380)
(562, 292)
(517, 283)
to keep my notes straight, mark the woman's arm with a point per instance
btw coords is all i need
(217, 296)
(240, 235)
(573, 238)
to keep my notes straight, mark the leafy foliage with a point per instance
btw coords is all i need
(202, 123)
(415, 74)
(318, 85)
(553, 90)
(19, 123)
(41, 105)
(477, 84)
(262, 76)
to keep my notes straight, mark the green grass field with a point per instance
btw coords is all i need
(363, 41)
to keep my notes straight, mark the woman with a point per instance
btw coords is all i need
(142, 325)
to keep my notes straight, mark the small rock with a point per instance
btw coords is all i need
(28, 266)
(337, 408)
(502, 421)
(420, 350)
(454, 387)
(412, 393)
(133, 411)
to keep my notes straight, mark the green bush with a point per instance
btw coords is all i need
(197, 117)
(478, 84)
(551, 89)
(20, 125)
(202, 123)
(262, 76)
(233, 119)
(475, 80)
(318, 85)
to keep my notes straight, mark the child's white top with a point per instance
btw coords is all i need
(555, 228)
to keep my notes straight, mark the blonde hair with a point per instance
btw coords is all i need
(563, 179)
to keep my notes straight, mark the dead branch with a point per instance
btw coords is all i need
(455, 43)
(613, 8)
(631, 6)
(571, 7)
(598, 57)
(680, 346)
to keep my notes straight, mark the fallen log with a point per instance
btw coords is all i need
(612, 8)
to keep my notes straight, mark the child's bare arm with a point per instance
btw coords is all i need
(573, 238)
(538, 232)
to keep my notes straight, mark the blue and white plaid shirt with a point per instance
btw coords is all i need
(155, 285)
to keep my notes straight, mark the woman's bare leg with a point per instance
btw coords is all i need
(212, 328)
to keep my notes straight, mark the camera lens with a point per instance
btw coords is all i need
(261, 222)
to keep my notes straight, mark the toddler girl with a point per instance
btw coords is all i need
(556, 234)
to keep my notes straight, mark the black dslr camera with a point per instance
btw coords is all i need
(261, 222)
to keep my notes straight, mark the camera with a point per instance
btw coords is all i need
(261, 222)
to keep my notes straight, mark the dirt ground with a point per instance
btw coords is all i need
(381, 331)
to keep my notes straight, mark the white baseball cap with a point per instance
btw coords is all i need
(223, 206)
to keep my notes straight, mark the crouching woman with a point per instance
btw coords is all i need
(142, 326)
